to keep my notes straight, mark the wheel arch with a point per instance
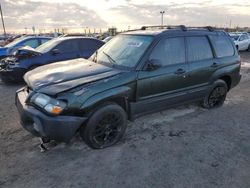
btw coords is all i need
(227, 79)
(118, 96)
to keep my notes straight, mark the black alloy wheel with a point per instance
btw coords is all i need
(105, 127)
(108, 129)
(217, 95)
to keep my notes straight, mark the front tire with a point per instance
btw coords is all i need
(248, 48)
(105, 127)
(216, 96)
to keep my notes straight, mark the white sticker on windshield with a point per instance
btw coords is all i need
(135, 44)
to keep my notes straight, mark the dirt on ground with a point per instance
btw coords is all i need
(181, 147)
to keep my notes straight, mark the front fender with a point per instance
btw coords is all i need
(93, 101)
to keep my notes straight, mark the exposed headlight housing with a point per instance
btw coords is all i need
(50, 105)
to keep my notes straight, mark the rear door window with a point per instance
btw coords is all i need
(198, 49)
(169, 51)
(68, 46)
(222, 45)
(89, 44)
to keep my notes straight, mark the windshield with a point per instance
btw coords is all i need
(15, 42)
(47, 46)
(123, 50)
(235, 37)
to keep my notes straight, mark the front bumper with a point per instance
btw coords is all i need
(59, 128)
(12, 75)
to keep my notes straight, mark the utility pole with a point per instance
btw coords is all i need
(2, 20)
(162, 13)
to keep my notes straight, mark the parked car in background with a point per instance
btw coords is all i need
(107, 39)
(12, 38)
(241, 40)
(33, 42)
(2, 40)
(135, 73)
(13, 68)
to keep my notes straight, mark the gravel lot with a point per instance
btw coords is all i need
(181, 147)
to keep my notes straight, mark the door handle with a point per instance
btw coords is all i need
(214, 65)
(180, 71)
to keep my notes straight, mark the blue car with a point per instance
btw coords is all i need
(33, 42)
(24, 59)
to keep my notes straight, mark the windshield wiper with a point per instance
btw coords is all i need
(111, 60)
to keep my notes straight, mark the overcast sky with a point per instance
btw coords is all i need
(51, 14)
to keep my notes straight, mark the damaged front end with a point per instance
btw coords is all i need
(4, 63)
(54, 126)
(10, 69)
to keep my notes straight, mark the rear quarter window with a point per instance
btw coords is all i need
(222, 46)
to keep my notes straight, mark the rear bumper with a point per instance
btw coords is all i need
(236, 80)
(59, 128)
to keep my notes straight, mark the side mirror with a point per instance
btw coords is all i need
(55, 52)
(153, 64)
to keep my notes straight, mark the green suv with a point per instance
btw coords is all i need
(136, 73)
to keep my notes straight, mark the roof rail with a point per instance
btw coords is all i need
(209, 28)
(181, 27)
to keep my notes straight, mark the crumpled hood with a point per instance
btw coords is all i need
(28, 50)
(66, 75)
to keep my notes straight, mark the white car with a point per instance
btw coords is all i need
(241, 40)
(107, 39)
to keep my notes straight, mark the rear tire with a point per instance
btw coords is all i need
(105, 127)
(216, 96)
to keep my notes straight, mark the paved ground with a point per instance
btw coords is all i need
(182, 147)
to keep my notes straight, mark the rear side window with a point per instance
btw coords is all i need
(90, 44)
(44, 40)
(222, 45)
(198, 49)
(68, 46)
(169, 51)
(33, 43)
